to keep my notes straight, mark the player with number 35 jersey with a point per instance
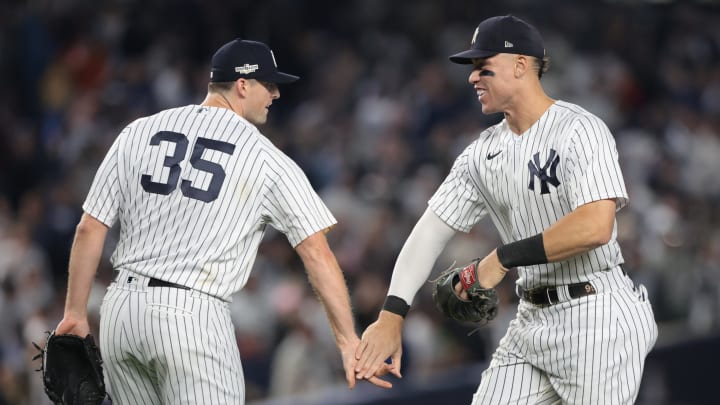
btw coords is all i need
(193, 189)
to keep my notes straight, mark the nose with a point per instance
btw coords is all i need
(474, 76)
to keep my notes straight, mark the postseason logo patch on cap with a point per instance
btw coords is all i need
(246, 68)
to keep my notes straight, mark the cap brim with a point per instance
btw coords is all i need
(280, 77)
(466, 57)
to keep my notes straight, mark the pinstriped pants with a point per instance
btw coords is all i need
(163, 345)
(589, 350)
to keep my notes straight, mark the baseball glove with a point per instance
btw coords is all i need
(71, 370)
(482, 305)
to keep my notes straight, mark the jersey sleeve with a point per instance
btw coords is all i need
(593, 168)
(292, 206)
(457, 201)
(103, 199)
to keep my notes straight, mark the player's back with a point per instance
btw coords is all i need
(191, 181)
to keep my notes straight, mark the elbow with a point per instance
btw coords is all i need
(600, 222)
(602, 240)
(82, 228)
(90, 226)
(599, 237)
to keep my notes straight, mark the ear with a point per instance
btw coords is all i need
(241, 87)
(522, 65)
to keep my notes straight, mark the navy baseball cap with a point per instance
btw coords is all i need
(247, 59)
(502, 34)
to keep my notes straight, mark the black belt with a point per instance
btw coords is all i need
(154, 282)
(545, 296)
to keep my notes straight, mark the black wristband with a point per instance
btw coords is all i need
(396, 305)
(524, 252)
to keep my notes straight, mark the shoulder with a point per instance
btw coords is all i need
(489, 138)
(588, 134)
(225, 125)
(269, 154)
(152, 121)
(578, 117)
(488, 135)
(492, 132)
(172, 113)
(472, 154)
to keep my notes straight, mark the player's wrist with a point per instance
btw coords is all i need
(525, 252)
(390, 321)
(396, 306)
(75, 315)
(502, 269)
(343, 342)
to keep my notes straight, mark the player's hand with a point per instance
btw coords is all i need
(347, 352)
(381, 340)
(489, 271)
(73, 326)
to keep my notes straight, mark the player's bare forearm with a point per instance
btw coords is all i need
(84, 259)
(329, 284)
(587, 227)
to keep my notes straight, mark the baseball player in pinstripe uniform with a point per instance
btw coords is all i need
(548, 177)
(193, 189)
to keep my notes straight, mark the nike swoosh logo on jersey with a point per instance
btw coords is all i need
(493, 156)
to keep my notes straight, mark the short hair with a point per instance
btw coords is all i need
(541, 65)
(220, 87)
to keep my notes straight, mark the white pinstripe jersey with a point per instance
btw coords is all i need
(193, 189)
(527, 183)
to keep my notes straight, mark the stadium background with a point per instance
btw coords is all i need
(375, 122)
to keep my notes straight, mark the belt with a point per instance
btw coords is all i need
(546, 296)
(154, 282)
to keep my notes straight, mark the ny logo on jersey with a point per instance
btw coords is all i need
(541, 172)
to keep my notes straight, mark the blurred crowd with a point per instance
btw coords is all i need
(376, 122)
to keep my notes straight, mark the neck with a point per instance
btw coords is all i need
(219, 100)
(521, 116)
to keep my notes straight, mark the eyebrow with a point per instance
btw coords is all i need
(268, 85)
(479, 63)
(482, 64)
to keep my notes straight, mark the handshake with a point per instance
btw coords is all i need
(457, 293)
